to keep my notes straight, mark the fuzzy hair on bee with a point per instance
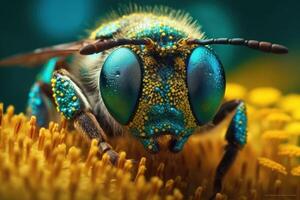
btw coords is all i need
(150, 73)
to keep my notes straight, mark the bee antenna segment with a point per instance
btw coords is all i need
(254, 44)
(102, 45)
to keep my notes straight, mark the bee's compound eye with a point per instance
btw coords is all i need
(120, 83)
(206, 83)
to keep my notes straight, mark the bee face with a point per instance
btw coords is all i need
(164, 105)
(162, 91)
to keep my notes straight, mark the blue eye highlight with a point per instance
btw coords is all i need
(206, 84)
(120, 84)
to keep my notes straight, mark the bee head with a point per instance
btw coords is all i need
(156, 93)
(163, 93)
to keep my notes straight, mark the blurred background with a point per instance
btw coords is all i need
(26, 25)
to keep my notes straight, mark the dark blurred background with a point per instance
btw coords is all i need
(26, 25)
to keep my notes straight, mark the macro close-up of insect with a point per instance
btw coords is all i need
(151, 75)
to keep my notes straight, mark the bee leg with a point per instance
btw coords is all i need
(85, 122)
(73, 104)
(40, 101)
(236, 137)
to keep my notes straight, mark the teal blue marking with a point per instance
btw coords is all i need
(150, 144)
(108, 30)
(36, 105)
(155, 33)
(167, 119)
(237, 131)
(64, 96)
(164, 117)
(46, 74)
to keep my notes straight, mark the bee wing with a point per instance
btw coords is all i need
(40, 56)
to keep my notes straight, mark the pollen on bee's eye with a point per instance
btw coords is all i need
(120, 83)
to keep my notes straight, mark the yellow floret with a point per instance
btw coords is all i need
(264, 96)
(234, 91)
(55, 163)
(274, 166)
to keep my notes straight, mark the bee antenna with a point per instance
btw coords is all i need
(254, 44)
(102, 45)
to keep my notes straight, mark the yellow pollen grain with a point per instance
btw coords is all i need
(296, 171)
(289, 150)
(274, 166)
(275, 135)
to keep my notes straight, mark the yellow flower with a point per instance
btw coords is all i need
(55, 163)
(264, 96)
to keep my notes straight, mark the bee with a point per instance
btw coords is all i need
(151, 74)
